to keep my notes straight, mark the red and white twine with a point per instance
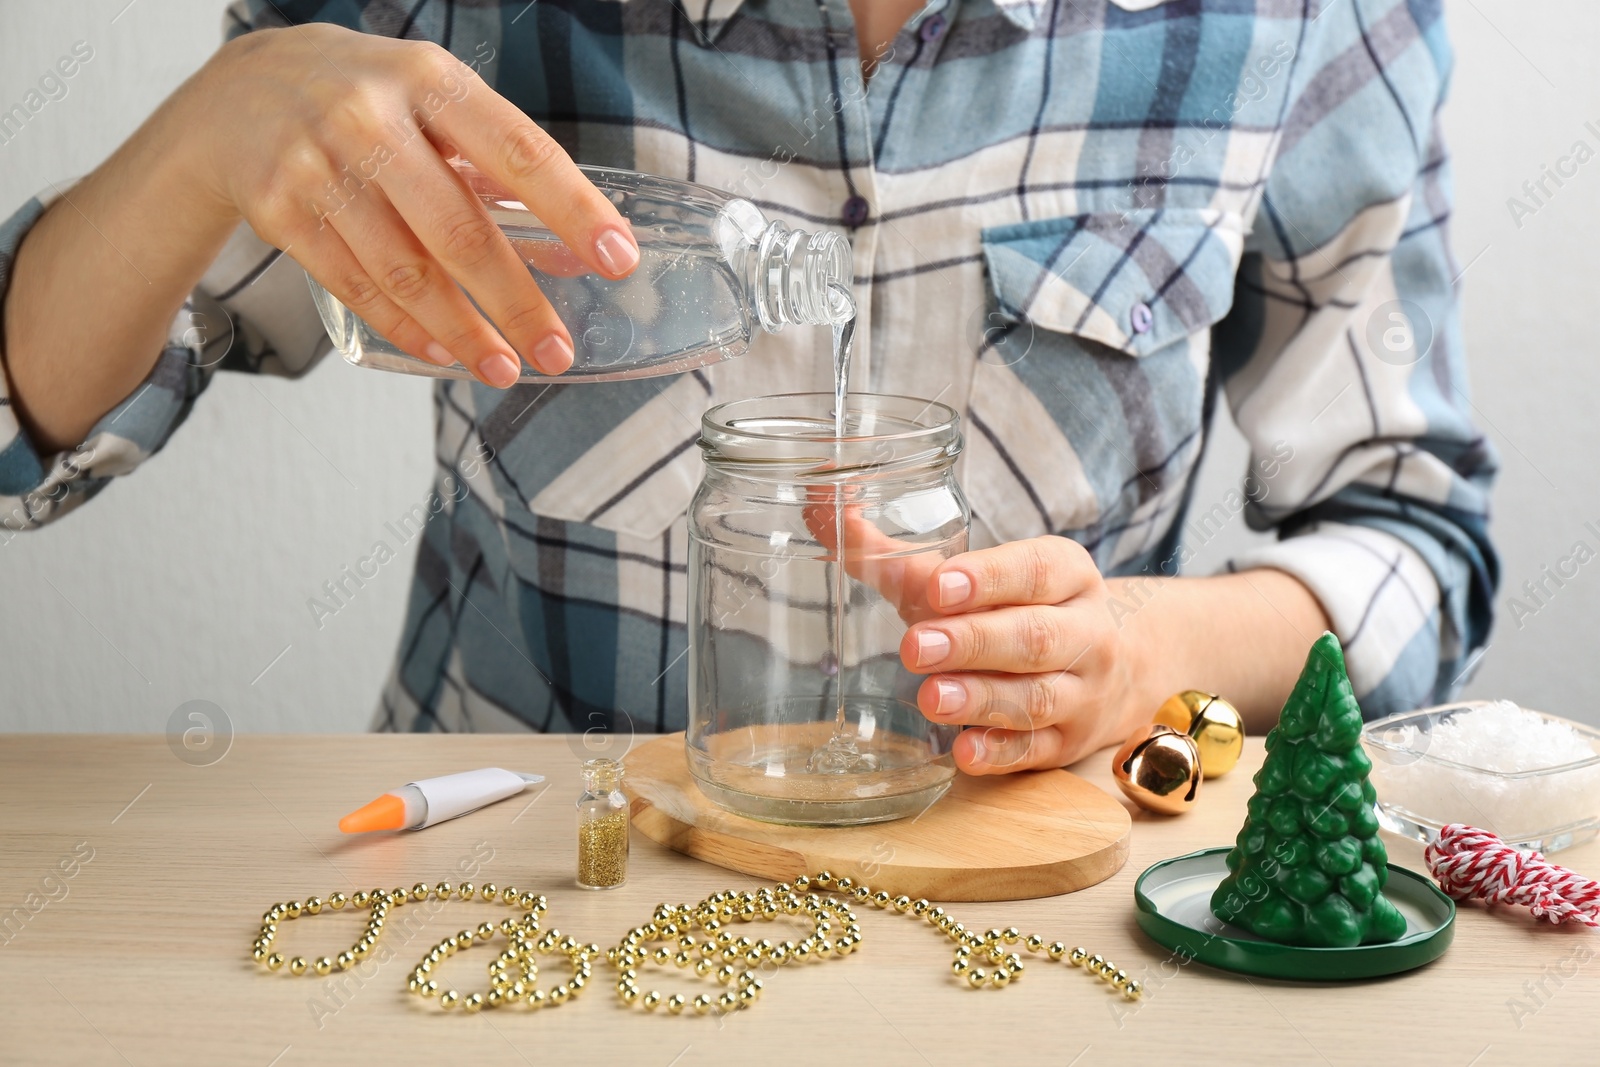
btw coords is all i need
(1469, 862)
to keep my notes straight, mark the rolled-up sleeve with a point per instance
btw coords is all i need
(252, 311)
(1343, 364)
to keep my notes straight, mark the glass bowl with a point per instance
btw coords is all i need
(1419, 792)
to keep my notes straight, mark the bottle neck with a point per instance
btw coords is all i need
(602, 776)
(793, 272)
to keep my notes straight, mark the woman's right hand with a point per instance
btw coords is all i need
(333, 144)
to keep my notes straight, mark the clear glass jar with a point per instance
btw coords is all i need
(602, 826)
(800, 710)
(712, 271)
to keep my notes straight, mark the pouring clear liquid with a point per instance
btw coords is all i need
(841, 755)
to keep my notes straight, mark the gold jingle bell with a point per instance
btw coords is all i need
(1159, 769)
(1215, 725)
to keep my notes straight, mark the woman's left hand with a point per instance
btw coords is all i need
(1022, 647)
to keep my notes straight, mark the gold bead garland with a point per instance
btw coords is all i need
(503, 987)
(987, 959)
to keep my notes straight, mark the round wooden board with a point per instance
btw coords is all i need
(1005, 837)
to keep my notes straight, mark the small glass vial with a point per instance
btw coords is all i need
(602, 826)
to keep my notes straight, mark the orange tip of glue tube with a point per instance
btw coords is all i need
(388, 812)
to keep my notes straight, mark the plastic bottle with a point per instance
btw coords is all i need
(712, 271)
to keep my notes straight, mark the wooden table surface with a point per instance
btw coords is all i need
(140, 954)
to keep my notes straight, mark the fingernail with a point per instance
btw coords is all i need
(437, 353)
(950, 696)
(553, 354)
(976, 746)
(499, 370)
(955, 589)
(617, 252)
(932, 647)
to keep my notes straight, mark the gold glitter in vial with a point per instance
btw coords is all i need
(603, 851)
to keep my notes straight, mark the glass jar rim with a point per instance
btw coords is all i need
(792, 434)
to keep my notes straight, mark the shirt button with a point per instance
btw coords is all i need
(855, 211)
(1141, 318)
(932, 28)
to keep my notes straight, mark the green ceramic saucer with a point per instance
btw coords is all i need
(1174, 899)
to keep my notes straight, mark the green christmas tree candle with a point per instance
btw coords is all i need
(1308, 867)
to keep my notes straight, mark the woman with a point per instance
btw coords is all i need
(1075, 222)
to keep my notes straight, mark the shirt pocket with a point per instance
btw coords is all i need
(1134, 281)
(1085, 411)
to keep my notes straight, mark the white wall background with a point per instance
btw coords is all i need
(190, 579)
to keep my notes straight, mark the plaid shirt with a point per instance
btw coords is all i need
(1079, 222)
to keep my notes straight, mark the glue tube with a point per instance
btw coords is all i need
(433, 800)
